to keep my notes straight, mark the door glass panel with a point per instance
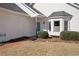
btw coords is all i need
(56, 26)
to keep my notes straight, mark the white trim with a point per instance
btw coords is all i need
(27, 9)
(75, 5)
(4, 9)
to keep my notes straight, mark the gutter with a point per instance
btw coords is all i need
(74, 5)
(27, 9)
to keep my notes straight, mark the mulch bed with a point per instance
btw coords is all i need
(9, 44)
(16, 41)
(56, 39)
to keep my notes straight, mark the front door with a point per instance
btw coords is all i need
(56, 27)
(38, 26)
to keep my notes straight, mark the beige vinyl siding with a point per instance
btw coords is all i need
(15, 25)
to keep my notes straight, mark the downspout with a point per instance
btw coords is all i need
(36, 18)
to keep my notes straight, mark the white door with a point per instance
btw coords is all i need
(55, 26)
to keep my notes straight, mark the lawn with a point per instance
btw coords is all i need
(39, 48)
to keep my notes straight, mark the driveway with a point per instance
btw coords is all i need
(39, 48)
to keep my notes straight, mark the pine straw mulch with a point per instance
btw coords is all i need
(56, 39)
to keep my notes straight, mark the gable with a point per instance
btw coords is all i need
(48, 8)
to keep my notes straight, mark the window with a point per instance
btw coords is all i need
(49, 26)
(65, 25)
(43, 22)
(56, 23)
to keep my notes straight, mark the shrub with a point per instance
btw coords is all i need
(2, 43)
(42, 34)
(69, 35)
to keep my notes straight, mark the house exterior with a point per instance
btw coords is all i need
(14, 23)
(59, 17)
(24, 19)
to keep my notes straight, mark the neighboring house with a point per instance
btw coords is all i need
(24, 19)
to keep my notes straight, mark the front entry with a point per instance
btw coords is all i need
(58, 25)
(38, 26)
(55, 27)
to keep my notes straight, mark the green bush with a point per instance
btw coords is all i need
(42, 34)
(69, 35)
(2, 43)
